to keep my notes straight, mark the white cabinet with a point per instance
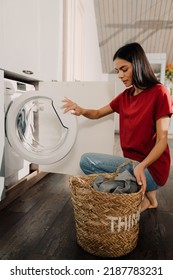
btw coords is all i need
(20, 37)
(30, 33)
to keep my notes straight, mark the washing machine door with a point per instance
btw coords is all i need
(38, 130)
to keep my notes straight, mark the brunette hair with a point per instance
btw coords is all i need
(143, 75)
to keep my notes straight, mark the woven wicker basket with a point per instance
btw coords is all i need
(107, 224)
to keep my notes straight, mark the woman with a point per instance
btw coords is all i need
(145, 110)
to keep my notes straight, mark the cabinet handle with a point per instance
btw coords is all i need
(28, 72)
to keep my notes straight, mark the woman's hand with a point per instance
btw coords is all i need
(88, 113)
(140, 177)
(71, 106)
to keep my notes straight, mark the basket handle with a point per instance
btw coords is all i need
(124, 164)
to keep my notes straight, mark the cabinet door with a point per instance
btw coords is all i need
(21, 37)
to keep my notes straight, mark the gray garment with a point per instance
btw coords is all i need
(123, 183)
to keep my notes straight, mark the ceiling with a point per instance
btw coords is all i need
(148, 22)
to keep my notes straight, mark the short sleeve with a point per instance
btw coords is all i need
(163, 104)
(115, 103)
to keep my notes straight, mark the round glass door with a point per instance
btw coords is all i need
(38, 130)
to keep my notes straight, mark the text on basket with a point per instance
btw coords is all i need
(124, 223)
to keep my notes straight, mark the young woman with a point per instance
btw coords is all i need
(145, 108)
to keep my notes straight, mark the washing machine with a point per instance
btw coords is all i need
(16, 167)
(38, 131)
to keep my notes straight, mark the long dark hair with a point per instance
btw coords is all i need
(143, 75)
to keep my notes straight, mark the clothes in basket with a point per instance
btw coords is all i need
(125, 182)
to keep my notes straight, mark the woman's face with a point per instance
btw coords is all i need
(124, 70)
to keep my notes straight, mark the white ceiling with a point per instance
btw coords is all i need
(148, 22)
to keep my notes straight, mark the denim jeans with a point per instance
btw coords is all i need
(93, 163)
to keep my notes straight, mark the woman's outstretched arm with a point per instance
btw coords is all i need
(75, 109)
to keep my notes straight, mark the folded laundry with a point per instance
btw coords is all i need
(125, 182)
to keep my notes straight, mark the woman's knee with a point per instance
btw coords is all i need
(85, 163)
(151, 184)
(94, 163)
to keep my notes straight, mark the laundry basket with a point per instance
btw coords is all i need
(107, 224)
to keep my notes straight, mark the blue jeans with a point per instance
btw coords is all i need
(93, 163)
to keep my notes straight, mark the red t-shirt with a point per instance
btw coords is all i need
(138, 115)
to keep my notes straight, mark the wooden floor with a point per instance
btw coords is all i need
(40, 225)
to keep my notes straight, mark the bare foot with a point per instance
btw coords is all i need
(145, 204)
(152, 199)
(155, 205)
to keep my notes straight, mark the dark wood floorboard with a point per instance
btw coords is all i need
(40, 225)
